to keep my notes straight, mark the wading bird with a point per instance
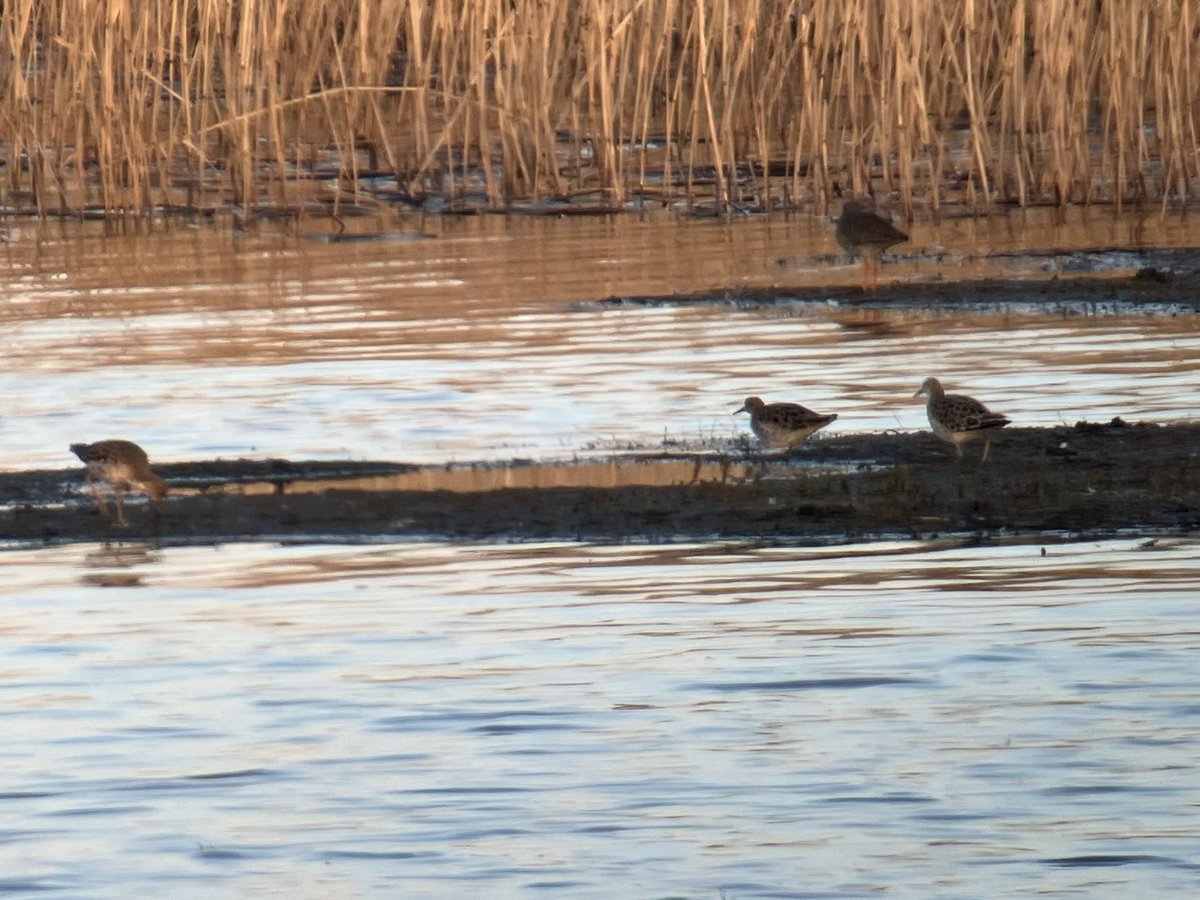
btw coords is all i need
(782, 424)
(959, 419)
(123, 466)
(861, 232)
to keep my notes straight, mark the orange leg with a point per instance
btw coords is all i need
(870, 273)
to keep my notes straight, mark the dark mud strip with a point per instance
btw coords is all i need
(1162, 282)
(1086, 480)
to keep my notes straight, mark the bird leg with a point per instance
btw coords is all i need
(870, 273)
(118, 492)
(987, 445)
(91, 483)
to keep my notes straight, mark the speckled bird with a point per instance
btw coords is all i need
(959, 419)
(782, 424)
(861, 232)
(123, 466)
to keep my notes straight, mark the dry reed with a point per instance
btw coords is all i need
(127, 106)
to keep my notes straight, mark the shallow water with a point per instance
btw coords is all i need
(437, 719)
(481, 342)
(428, 720)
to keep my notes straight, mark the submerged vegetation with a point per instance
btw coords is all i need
(128, 106)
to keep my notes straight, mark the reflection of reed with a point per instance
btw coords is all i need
(466, 479)
(448, 103)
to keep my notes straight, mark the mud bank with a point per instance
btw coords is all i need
(1085, 480)
(1108, 281)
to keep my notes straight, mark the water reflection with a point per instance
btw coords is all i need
(440, 719)
(469, 346)
(118, 564)
(641, 470)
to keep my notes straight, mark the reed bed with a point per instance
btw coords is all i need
(128, 107)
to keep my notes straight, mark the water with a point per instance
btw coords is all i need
(483, 343)
(573, 720)
(428, 720)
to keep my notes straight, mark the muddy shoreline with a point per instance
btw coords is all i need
(1077, 283)
(1085, 480)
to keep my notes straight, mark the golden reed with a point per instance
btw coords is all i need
(122, 106)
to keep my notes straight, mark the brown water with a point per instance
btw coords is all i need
(441, 719)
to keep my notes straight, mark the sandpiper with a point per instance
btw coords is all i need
(959, 419)
(782, 424)
(861, 232)
(123, 466)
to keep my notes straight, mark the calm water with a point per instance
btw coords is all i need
(434, 720)
(720, 721)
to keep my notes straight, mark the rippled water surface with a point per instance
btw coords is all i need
(571, 720)
(592, 721)
(483, 341)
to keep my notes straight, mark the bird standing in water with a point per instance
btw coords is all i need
(123, 466)
(782, 424)
(861, 232)
(959, 419)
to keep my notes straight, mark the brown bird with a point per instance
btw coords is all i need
(861, 232)
(959, 419)
(782, 424)
(123, 466)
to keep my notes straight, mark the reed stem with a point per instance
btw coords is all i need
(129, 106)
